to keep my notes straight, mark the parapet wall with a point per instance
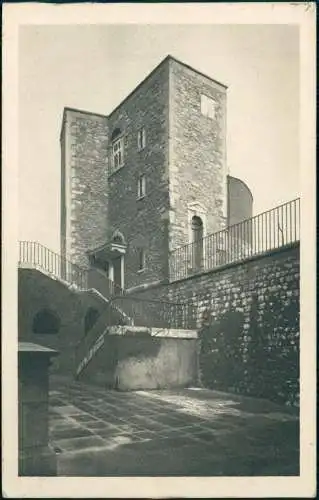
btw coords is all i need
(138, 359)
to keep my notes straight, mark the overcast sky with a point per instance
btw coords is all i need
(95, 67)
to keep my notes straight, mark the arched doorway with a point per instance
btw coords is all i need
(108, 260)
(197, 242)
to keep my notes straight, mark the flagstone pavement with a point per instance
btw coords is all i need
(186, 432)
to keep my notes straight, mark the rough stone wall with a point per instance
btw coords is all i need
(38, 292)
(143, 222)
(184, 162)
(249, 318)
(198, 172)
(84, 143)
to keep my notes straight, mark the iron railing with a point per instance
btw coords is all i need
(156, 313)
(37, 255)
(267, 231)
(34, 254)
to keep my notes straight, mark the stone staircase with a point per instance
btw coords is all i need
(120, 308)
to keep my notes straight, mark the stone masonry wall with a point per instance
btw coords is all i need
(249, 317)
(143, 222)
(140, 361)
(184, 162)
(198, 172)
(84, 184)
(38, 292)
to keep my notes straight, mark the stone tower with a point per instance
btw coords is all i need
(84, 181)
(148, 178)
(197, 154)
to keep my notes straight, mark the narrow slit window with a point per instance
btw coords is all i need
(141, 260)
(141, 139)
(141, 186)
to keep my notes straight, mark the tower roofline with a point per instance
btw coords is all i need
(167, 58)
(67, 109)
(140, 85)
(197, 71)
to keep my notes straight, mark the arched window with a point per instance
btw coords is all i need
(90, 319)
(46, 322)
(115, 134)
(197, 242)
(118, 238)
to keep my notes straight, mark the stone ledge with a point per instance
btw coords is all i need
(127, 330)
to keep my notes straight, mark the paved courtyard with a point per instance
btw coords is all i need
(195, 432)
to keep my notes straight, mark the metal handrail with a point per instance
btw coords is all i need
(133, 311)
(263, 232)
(36, 254)
(157, 313)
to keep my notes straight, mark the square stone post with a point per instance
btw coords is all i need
(36, 458)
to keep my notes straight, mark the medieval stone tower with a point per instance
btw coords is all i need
(146, 179)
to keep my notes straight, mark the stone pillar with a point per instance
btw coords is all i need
(36, 458)
(111, 271)
(122, 272)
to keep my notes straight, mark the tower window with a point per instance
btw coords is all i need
(197, 244)
(141, 260)
(208, 106)
(141, 186)
(117, 154)
(141, 139)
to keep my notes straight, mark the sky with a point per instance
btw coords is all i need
(94, 67)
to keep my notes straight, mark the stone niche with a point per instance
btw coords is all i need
(36, 458)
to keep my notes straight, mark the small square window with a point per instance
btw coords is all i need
(141, 186)
(141, 139)
(208, 106)
(141, 260)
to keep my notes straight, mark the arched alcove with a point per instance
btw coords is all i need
(46, 322)
(90, 319)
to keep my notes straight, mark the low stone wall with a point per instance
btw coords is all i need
(248, 313)
(132, 359)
